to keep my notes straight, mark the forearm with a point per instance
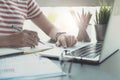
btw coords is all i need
(61, 38)
(86, 37)
(83, 35)
(43, 23)
(80, 35)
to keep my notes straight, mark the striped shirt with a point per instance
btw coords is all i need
(14, 13)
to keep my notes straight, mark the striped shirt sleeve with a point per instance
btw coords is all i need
(33, 9)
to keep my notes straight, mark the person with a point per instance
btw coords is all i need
(13, 13)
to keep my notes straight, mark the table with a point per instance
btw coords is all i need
(108, 70)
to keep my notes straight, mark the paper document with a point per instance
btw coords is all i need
(28, 67)
(10, 51)
(25, 50)
(39, 48)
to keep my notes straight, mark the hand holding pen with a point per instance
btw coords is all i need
(24, 38)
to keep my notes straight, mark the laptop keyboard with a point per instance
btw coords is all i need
(89, 51)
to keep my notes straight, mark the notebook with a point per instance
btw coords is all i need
(99, 52)
(5, 52)
(27, 67)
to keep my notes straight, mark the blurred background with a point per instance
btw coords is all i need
(58, 12)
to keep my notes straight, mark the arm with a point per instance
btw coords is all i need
(64, 40)
(82, 21)
(83, 35)
(43, 23)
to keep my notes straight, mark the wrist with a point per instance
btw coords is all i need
(84, 26)
(58, 34)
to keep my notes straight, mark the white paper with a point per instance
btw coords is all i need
(39, 48)
(7, 51)
(27, 67)
(27, 50)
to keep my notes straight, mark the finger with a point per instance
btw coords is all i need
(82, 11)
(33, 40)
(58, 43)
(63, 42)
(27, 43)
(33, 34)
(89, 16)
(68, 40)
(74, 40)
(79, 15)
(33, 37)
(30, 43)
(71, 40)
(29, 39)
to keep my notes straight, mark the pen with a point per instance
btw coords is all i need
(42, 42)
(13, 54)
(37, 51)
(19, 29)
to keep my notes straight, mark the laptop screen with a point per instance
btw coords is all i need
(112, 37)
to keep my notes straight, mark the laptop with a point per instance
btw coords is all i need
(98, 52)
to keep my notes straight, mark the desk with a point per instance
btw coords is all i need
(108, 70)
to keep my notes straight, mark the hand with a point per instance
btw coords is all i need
(81, 19)
(66, 40)
(84, 19)
(82, 22)
(25, 38)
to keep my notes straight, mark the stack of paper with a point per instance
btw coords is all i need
(28, 67)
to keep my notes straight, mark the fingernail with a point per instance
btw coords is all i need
(65, 46)
(57, 44)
